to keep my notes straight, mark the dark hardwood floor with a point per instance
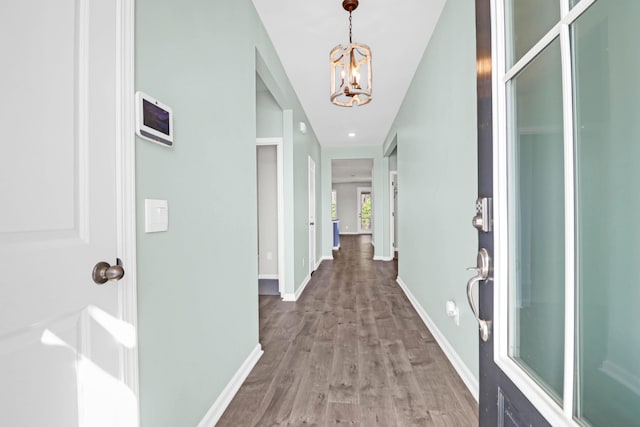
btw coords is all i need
(351, 350)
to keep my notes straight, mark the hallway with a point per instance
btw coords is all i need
(353, 351)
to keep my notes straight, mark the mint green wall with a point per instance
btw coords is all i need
(436, 150)
(380, 189)
(197, 295)
(303, 147)
(268, 116)
(297, 148)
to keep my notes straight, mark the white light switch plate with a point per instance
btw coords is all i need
(156, 215)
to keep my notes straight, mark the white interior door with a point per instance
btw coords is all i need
(62, 342)
(393, 207)
(312, 215)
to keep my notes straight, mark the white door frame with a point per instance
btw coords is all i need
(361, 190)
(313, 229)
(125, 189)
(278, 143)
(392, 212)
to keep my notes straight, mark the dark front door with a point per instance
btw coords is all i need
(557, 166)
(501, 402)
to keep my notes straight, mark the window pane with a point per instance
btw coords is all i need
(574, 2)
(527, 23)
(607, 100)
(536, 205)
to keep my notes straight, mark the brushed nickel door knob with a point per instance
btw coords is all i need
(104, 272)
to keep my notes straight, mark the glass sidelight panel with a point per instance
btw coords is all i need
(527, 22)
(365, 211)
(606, 64)
(537, 215)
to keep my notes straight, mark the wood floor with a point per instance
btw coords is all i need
(350, 351)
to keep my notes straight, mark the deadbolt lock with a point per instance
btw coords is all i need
(483, 220)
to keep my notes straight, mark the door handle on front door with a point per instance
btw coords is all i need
(103, 272)
(483, 269)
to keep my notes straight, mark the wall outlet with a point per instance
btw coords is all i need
(453, 311)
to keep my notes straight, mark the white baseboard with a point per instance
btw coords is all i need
(220, 405)
(268, 277)
(335, 248)
(383, 258)
(348, 233)
(465, 373)
(291, 297)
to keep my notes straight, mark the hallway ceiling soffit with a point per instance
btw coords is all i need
(303, 33)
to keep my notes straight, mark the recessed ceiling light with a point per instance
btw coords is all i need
(352, 134)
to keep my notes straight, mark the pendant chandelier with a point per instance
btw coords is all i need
(350, 69)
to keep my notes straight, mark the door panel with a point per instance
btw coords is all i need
(61, 338)
(607, 199)
(536, 194)
(501, 403)
(567, 202)
(312, 216)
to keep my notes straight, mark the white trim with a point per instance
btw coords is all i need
(125, 190)
(311, 211)
(569, 219)
(278, 143)
(220, 405)
(351, 180)
(318, 263)
(382, 258)
(461, 368)
(327, 257)
(351, 233)
(392, 212)
(335, 248)
(292, 297)
(268, 277)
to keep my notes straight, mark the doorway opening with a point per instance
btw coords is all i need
(351, 201)
(270, 224)
(270, 192)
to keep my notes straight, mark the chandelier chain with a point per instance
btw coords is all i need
(350, 27)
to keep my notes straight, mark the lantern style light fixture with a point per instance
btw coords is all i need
(350, 69)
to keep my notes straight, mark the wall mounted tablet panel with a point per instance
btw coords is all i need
(154, 120)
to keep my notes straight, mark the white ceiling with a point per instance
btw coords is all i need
(352, 170)
(304, 32)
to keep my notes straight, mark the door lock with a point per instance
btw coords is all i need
(483, 220)
(482, 269)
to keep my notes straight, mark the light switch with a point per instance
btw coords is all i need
(156, 215)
